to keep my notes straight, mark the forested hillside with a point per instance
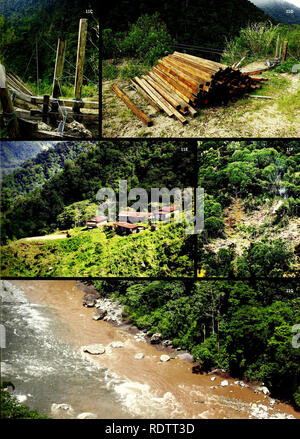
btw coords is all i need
(191, 21)
(280, 10)
(36, 171)
(244, 327)
(13, 154)
(159, 164)
(34, 26)
(252, 194)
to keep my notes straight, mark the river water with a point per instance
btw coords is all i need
(46, 328)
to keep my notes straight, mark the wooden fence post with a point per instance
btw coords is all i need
(285, 47)
(7, 107)
(45, 108)
(80, 62)
(277, 47)
(59, 67)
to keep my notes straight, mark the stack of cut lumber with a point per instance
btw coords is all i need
(181, 82)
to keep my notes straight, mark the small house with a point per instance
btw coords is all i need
(124, 228)
(97, 221)
(134, 217)
(164, 213)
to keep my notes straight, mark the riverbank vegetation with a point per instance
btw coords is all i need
(10, 408)
(244, 327)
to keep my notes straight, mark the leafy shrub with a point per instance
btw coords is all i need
(109, 70)
(11, 409)
(148, 39)
(258, 40)
(132, 69)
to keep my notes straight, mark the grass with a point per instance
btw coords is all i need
(123, 69)
(87, 91)
(290, 104)
(96, 253)
(109, 71)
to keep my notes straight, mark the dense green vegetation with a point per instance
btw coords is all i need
(10, 408)
(244, 327)
(191, 22)
(66, 198)
(159, 164)
(36, 171)
(258, 41)
(27, 26)
(13, 154)
(241, 180)
(166, 252)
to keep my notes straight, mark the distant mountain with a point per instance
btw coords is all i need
(282, 11)
(33, 163)
(203, 22)
(13, 154)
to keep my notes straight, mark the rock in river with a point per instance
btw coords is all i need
(94, 349)
(156, 338)
(100, 314)
(224, 383)
(117, 344)
(139, 356)
(164, 358)
(86, 415)
(62, 408)
(90, 299)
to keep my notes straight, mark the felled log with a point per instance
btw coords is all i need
(180, 83)
(142, 116)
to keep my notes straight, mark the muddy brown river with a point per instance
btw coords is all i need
(46, 328)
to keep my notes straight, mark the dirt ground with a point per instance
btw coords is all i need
(260, 221)
(247, 117)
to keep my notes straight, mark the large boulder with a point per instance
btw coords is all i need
(94, 349)
(139, 356)
(62, 409)
(100, 314)
(89, 299)
(86, 415)
(156, 338)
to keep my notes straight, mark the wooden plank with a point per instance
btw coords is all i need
(285, 48)
(145, 95)
(177, 74)
(198, 75)
(154, 95)
(7, 107)
(12, 78)
(35, 100)
(45, 108)
(59, 67)
(168, 105)
(200, 70)
(183, 104)
(177, 86)
(202, 61)
(80, 57)
(184, 76)
(142, 116)
(162, 92)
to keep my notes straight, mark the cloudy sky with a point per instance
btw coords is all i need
(295, 2)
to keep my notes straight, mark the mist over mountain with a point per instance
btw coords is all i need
(281, 10)
(14, 154)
